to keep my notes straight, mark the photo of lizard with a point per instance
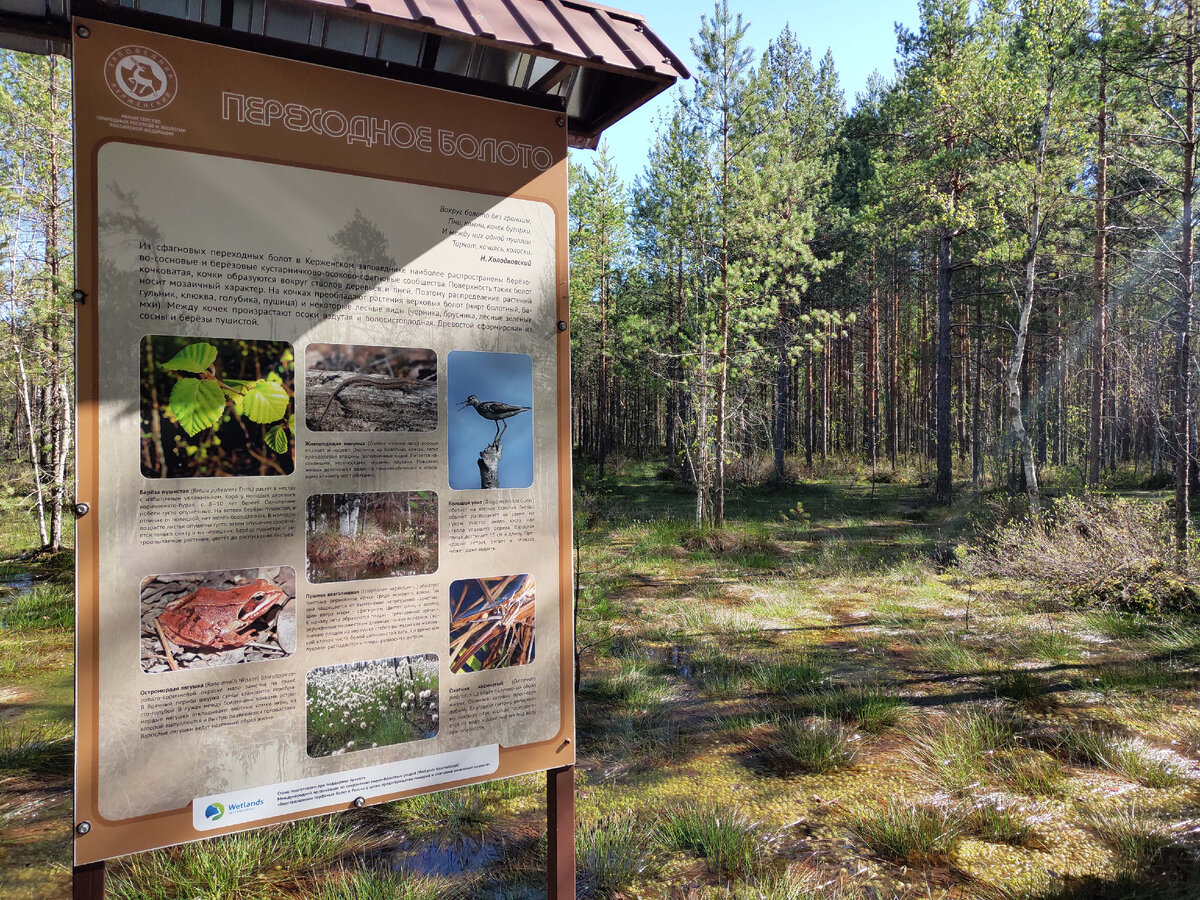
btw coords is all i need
(359, 387)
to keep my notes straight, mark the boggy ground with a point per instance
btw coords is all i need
(36, 708)
(815, 701)
(872, 722)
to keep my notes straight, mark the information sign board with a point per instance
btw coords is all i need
(323, 435)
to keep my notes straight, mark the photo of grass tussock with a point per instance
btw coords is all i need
(214, 407)
(362, 705)
(491, 623)
(357, 536)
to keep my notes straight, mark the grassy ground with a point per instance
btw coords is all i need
(36, 709)
(807, 703)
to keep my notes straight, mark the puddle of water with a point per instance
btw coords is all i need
(18, 583)
(340, 572)
(14, 586)
(451, 856)
(681, 661)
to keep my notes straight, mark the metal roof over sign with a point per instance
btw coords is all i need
(592, 62)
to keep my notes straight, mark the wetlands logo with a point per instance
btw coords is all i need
(140, 78)
(214, 812)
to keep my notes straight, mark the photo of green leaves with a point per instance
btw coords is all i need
(213, 407)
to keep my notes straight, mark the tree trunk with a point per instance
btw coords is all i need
(944, 489)
(604, 432)
(58, 396)
(722, 390)
(34, 461)
(977, 396)
(1183, 307)
(1099, 283)
(782, 408)
(1021, 437)
(871, 375)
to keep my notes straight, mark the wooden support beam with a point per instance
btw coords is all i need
(87, 882)
(560, 833)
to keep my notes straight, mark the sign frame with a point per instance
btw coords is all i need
(97, 838)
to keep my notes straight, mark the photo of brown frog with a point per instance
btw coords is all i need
(204, 619)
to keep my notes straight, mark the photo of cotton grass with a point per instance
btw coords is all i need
(357, 706)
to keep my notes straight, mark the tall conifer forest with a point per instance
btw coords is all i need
(978, 270)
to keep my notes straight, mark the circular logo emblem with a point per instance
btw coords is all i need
(141, 78)
(214, 811)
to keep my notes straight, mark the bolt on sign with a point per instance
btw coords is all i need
(323, 434)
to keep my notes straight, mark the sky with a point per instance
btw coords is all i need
(861, 34)
(507, 377)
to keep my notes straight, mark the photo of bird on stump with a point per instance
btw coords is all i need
(496, 411)
(491, 432)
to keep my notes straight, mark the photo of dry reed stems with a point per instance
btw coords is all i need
(491, 623)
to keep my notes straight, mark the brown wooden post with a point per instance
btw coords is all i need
(87, 882)
(560, 833)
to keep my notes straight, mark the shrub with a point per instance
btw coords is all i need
(1110, 553)
(44, 749)
(44, 606)
(1019, 685)
(1093, 746)
(870, 707)
(726, 541)
(786, 678)
(992, 822)
(785, 885)
(1032, 772)
(466, 810)
(964, 749)
(371, 884)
